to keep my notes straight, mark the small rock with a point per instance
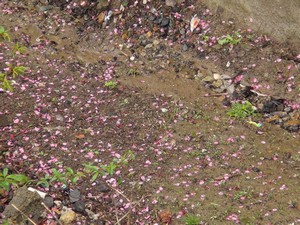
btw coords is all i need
(74, 195)
(165, 22)
(155, 42)
(149, 46)
(59, 117)
(216, 76)
(102, 187)
(208, 79)
(182, 31)
(92, 215)
(67, 217)
(170, 3)
(79, 206)
(217, 83)
(165, 216)
(49, 202)
(185, 47)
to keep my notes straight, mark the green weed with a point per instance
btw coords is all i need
(18, 48)
(11, 179)
(5, 82)
(230, 39)
(241, 110)
(111, 85)
(191, 220)
(4, 34)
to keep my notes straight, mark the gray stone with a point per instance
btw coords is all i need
(74, 196)
(48, 200)
(26, 201)
(79, 206)
(170, 3)
(208, 79)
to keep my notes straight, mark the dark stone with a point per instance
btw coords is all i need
(152, 18)
(255, 169)
(49, 202)
(79, 206)
(165, 22)
(185, 47)
(273, 105)
(102, 187)
(74, 195)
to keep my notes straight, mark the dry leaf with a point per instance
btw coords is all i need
(80, 136)
(165, 216)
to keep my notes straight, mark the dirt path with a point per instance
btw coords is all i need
(141, 103)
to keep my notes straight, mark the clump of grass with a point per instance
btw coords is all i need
(191, 220)
(111, 85)
(230, 39)
(241, 110)
(4, 34)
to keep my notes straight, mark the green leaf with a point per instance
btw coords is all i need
(5, 172)
(5, 185)
(94, 177)
(20, 178)
(6, 85)
(70, 170)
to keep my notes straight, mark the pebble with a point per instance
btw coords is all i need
(170, 3)
(68, 217)
(165, 22)
(102, 187)
(74, 195)
(79, 206)
(185, 47)
(49, 202)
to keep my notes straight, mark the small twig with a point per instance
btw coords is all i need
(23, 214)
(118, 221)
(123, 217)
(43, 204)
(119, 192)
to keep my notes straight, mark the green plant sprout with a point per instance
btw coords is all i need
(191, 220)
(4, 34)
(111, 85)
(241, 110)
(232, 40)
(5, 83)
(18, 48)
(11, 179)
(93, 170)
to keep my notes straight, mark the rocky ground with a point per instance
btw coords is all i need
(121, 116)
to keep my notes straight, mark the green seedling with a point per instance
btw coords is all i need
(17, 48)
(5, 83)
(18, 70)
(72, 176)
(230, 39)
(133, 72)
(191, 220)
(111, 167)
(111, 85)
(93, 170)
(4, 34)
(241, 110)
(15, 71)
(11, 179)
(129, 155)
(44, 181)
(243, 193)
(58, 177)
